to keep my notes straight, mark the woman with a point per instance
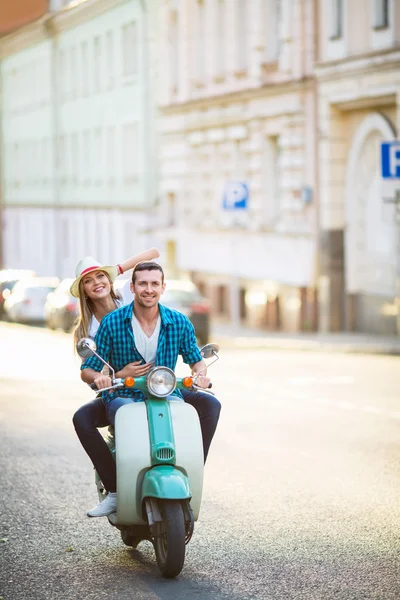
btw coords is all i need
(93, 286)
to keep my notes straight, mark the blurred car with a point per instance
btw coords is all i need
(8, 278)
(25, 304)
(182, 295)
(61, 308)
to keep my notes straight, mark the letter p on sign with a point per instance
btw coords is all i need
(390, 160)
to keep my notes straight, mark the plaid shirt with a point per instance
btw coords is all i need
(116, 345)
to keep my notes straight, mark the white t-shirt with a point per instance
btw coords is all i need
(94, 324)
(147, 345)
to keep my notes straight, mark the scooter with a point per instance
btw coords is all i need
(157, 445)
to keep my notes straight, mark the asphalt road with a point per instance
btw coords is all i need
(302, 486)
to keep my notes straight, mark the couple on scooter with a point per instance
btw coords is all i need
(132, 339)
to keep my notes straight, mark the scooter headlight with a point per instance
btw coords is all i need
(161, 382)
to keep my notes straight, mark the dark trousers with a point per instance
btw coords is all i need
(92, 415)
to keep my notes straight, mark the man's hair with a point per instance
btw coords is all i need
(147, 266)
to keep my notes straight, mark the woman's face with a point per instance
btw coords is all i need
(96, 285)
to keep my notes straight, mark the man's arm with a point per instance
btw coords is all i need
(191, 354)
(202, 380)
(91, 376)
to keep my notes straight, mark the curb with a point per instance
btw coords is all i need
(255, 343)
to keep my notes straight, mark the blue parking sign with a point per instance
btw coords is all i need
(390, 159)
(236, 195)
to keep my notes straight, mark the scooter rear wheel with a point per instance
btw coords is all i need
(170, 545)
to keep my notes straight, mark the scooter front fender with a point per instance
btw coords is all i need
(167, 482)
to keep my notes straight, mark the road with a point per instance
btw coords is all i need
(302, 486)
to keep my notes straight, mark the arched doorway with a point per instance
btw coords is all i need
(370, 232)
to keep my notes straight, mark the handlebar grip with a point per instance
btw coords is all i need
(93, 386)
(209, 385)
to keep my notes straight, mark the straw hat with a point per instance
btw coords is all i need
(87, 265)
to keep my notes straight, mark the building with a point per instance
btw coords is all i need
(78, 128)
(20, 12)
(238, 110)
(358, 79)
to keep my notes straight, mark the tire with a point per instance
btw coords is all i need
(170, 545)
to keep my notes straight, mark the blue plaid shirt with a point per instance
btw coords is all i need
(116, 345)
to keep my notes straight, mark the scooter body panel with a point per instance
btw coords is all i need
(189, 449)
(164, 481)
(133, 457)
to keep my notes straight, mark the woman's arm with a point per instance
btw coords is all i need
(149, 254)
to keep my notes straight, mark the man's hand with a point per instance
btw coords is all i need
(135, 369)
(203, 381)
(102, 381)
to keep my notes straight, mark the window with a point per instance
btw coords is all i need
(173, 49)
(220, 39)
(272, 21)
(129, 152)
(336, 20)
(61, 74)
(110, 58)
(110, 156)
(97, 63)
(74, 158)
(84, 68)
(73, 71)
(129, 48)
(98, 154)
(200, 41)
(86, 156)
(241, 35)
(380, 14)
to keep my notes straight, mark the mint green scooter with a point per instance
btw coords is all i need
(159, 455)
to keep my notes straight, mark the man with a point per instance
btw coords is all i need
(137, 337)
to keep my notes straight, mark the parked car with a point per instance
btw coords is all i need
(61, 308)
(184, 296)
(26, 302)
(8, 278)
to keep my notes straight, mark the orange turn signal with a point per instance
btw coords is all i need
(187, 381)
(129, 382)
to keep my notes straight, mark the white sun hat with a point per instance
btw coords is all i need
(87, 265)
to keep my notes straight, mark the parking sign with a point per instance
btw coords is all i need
(390, 159)
(235, 196)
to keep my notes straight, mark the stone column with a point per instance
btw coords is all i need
(332, 166)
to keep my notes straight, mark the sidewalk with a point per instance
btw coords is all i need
(246, 338)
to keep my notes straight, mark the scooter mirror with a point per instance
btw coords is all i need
(86, 347)
(209, 350)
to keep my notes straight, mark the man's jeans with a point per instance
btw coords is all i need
(92, 415)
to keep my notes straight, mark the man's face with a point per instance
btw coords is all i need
(148, 287)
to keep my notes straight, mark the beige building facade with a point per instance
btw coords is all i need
(292, 99)
(358, 86)
(238, 112)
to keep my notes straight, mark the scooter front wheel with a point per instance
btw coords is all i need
(170, 544)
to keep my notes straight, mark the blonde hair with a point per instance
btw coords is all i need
(82, 324)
